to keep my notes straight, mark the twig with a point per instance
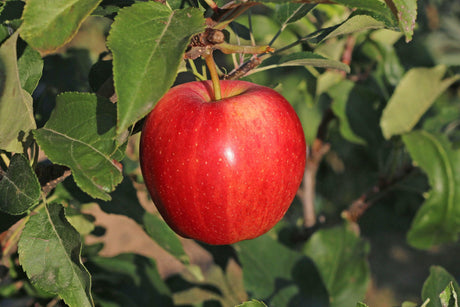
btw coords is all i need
(360, 205)
(348, 52)
(51, 175)
(315, 154)
(243, 69)
(52, 184)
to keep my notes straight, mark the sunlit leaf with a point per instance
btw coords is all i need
(148, 41)
(407, 14)
(449, 297)
(415, 94)
(438, 220)
(16, 114)
(340, 256)
(80, 134)
(221, 285)
(61, 18)
(30, 66)
(435, 284)
(49, 252)
(19, 187)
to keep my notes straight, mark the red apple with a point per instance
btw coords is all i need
(222, 171)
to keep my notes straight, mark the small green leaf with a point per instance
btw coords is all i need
(293, 279)
(340, 94)
(408, 304)
(407, 14)
(148, 41)
(449, 297)
(49, 252)
(359, 304)
(438, 220)
(340, 256)
(435, 284)
(303, 58)
(39, 20)
(252, 303)
(80, 134)
(19, 187)
(30, 66)
(16, 113)
(415, 94)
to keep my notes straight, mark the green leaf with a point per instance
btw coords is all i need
(355, 23)
(61, 18)
(340, 94)
(407, 14)
(359, 304)
(435, 284)
(148, 41)
(125, 202)
(227, 281)
(278, 275)
(80, 134)
(408, 304)
(159, 231)
(287, 13)
(128, 280)
(19, 187)
(340, 256)
(449, 297)
(252, 303)
(16, 113)
(304, 58)
(49, 252)
(374, 8)
(415, 94)
(30, 66)
(438, 220)
(83, 223)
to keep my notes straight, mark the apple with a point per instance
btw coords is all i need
(222, 171)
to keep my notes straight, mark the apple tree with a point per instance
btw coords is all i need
(375, 85)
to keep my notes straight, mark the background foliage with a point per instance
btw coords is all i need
(375, 84)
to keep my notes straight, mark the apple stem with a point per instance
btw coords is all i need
(214, 75)
(212, 5)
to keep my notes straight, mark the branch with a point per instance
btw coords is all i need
(307, 191)
(366, 200)
(51, 175)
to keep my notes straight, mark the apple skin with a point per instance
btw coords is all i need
(222, 171)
